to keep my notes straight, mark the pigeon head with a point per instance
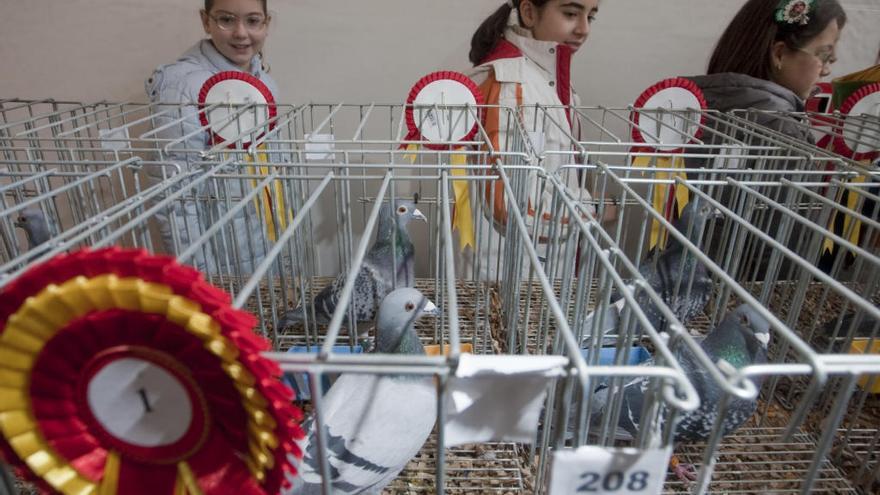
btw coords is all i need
(694, 218)
(395, 323)
(401, 211)
(405, 210)
(33, 222)
(742, 338)
(755, 330)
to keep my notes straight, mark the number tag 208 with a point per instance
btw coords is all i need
(622, 471)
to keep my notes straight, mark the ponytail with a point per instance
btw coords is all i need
(488, 34)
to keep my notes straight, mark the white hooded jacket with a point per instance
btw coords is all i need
(533, 78)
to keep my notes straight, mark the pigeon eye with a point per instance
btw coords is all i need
(402, 209)
(410, 306)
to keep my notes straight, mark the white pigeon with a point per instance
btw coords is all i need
(374, 425)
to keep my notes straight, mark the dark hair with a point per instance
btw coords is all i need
(209, 4)
(492, 29)
(745, 45)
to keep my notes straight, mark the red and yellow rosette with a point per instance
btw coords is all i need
(239, 88)
(675, 94)
(865, 100)
(446, 88)
(123, 372)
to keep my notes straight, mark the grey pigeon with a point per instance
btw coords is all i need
(387, 259)
(35, 226)
(675, 274)
(741, 339)
(374, 425)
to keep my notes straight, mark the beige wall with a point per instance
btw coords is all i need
(359, 50)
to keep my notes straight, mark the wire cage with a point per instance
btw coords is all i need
(782, 241)
(274, 214)
(67, 206)
(780, 268)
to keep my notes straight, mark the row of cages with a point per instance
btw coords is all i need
(717, 296)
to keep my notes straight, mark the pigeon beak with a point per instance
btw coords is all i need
(430, 309)
(716, 213)
(418, 214)
(763, 338)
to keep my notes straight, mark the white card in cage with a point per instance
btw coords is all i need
(319, 147)
(621, 471)
(498, 398)
(114, 139)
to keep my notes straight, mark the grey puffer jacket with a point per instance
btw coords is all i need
(730, 91)
(242, 244)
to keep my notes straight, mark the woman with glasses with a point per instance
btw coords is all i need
(771, 56)
(237, 30)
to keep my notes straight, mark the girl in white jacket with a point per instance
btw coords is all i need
(237, 30)
(522, 56)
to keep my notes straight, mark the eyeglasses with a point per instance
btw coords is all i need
(826, 57)
(253, 22)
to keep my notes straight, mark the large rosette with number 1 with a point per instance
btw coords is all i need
(123, 372)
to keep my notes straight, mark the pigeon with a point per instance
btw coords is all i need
(374, 425)
(388, 260)
(669, 274)
(35, 226)
(741, 339)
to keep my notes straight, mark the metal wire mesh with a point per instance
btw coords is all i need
(106, 173)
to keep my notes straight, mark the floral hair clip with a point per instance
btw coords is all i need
(794, 11)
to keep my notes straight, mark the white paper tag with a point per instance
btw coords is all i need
(319, 147)
(619, 471)
(114, 139)
(729, 158)
(498, 398)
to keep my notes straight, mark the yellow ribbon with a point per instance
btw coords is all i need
(186, 483)
(411, 156)
(271, 199)
(662, 191)
(462, 219)
(110, 481)
(852, 200)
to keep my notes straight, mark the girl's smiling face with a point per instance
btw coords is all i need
(238, 29)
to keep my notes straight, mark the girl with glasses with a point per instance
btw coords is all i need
(771, 56)
(237, 31)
